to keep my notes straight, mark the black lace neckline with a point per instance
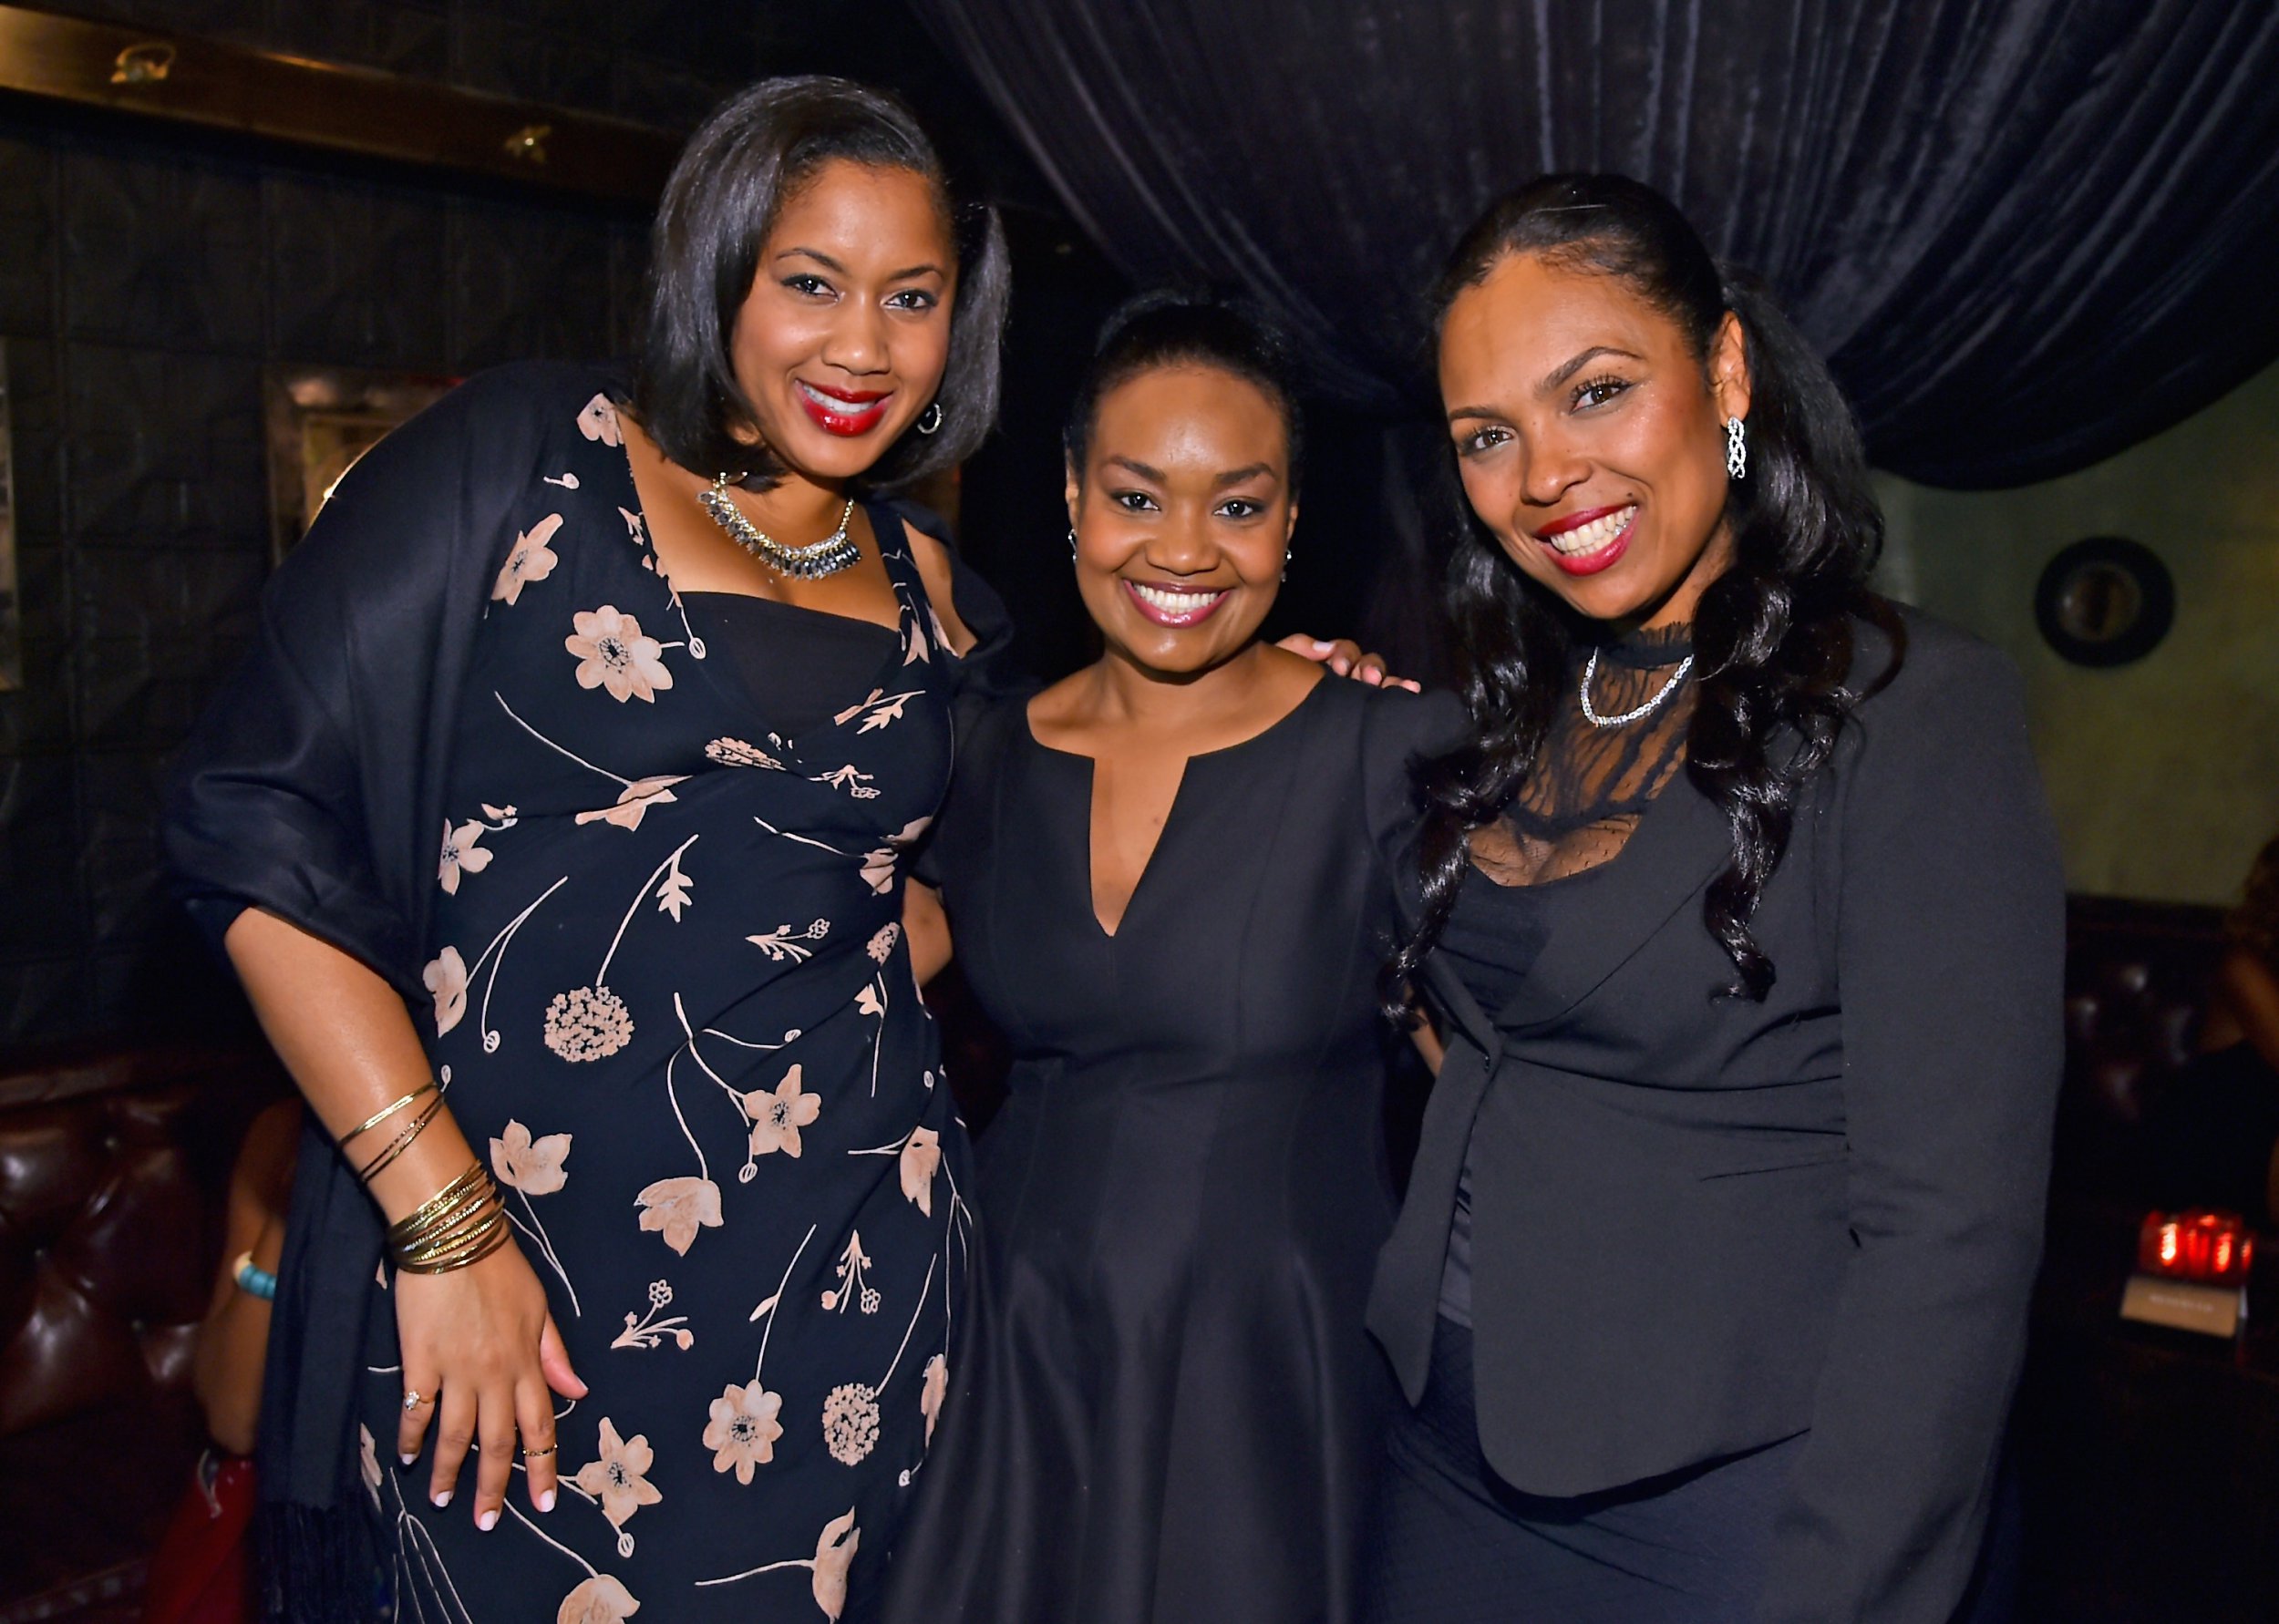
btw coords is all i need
(1642, 650)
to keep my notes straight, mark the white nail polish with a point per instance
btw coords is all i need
(407, 1459)
(488, 1521)
(442, 1499)
(546, 1501)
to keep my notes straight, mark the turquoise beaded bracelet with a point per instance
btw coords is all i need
(258, 1282)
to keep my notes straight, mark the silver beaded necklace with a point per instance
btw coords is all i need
(1637, 711)
(834, 553)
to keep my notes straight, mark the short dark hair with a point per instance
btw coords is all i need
(1171, 328)
(732, 180)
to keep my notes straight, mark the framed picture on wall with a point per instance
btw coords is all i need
(320, 420)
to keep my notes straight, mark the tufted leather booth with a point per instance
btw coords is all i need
(113, 1168)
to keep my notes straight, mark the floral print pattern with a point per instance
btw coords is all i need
(665, 942)
(614, 653)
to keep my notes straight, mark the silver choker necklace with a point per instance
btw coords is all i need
(834, 553)
(1637, 711)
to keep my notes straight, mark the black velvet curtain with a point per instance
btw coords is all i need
(2025, 232)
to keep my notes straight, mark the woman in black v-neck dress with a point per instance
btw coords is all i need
(1176, 1411)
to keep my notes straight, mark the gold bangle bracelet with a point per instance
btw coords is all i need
(414, 1223)
(400, 1143)
(381, 1116)
(487, 1240)
(468, 1223)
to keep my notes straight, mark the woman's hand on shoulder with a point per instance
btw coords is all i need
(1344, 657)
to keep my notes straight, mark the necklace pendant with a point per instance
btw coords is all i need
(834, 553)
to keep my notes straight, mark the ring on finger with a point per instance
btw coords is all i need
(532, 1454)
(413, 1398)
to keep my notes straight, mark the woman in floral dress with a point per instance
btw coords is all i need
(657, 973)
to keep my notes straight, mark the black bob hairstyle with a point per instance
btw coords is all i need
(732, 180)
(1170, 328)
(1773, 636)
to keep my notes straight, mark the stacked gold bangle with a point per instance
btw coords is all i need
(462, 1223)
(402, 1142)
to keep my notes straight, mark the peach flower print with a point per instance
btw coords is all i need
(531, 560)
(597, 420)
(678, 1207)
(613, 654)
(922, 1154)
(835, 1553)
(446, 977)
(463, 854)
(930, 1395)
(531, 1166)
(597, 1600)
(743, 1429)
(633, 802)
(780, 1114)
(587, 1024)
(618, 1480)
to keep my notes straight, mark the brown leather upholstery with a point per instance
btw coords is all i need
(113, 1168)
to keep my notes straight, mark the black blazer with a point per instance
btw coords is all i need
(1703, 1224)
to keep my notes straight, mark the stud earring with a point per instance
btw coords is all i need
(1735, 448)
(930, 419)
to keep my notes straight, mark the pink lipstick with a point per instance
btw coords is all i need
(1174, 606)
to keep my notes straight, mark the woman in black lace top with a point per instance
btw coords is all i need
(1741, 914)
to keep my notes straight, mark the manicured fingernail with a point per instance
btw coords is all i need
(1323, 643)
(487, 1521)
(442, 1499)
(546, 1501)
(407, 1459)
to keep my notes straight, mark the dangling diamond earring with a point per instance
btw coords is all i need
(1735, 448)
(1072, 541)
(1286, 563)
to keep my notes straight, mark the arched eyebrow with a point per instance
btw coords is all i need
(1236, 475)
(830, 264)
(1569, 369)
(1558, 376)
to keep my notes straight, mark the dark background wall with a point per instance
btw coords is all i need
(148, 274)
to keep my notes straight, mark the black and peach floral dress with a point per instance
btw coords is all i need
(673, 1005)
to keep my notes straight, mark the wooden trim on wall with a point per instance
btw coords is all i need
(327, 106)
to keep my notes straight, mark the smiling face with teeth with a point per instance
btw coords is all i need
(844, 339)
(1589, 436)
(1183, 512)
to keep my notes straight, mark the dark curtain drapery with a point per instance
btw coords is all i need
(2025, 232)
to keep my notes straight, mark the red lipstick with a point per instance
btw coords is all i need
(843, 412)
(1592, 550)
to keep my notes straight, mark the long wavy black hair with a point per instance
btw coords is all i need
(1772, 636)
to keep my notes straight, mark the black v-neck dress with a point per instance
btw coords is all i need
(1175, 1410)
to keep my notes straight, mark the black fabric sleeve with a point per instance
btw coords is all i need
(307, 788)
(1399, 730)
(1950, 943)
